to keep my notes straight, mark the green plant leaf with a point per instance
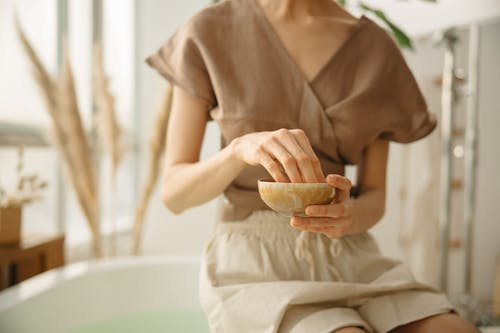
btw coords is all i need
(401, 37)
(341, 2)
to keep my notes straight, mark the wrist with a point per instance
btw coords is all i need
(354, 228)
(234, 154)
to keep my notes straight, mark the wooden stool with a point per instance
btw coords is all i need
(34, 255)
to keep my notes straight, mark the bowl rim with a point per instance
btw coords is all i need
(272, 181)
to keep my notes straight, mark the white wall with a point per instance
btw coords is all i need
(19, 95)
(165, 232)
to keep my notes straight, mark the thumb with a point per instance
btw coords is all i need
(342, 187)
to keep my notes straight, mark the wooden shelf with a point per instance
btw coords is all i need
(34, 255)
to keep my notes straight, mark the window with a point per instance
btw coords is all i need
(21, 104)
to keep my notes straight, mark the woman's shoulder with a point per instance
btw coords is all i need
(214, 19)
(379, 38)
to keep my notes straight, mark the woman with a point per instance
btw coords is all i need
(299, 89)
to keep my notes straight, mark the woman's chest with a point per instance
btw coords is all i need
(310, 46)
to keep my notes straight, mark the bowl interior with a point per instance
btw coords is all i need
(291, 199)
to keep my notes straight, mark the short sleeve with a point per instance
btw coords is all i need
(405, 117)
(182, 61)
(382, 99)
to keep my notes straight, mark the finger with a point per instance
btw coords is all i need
(333, 210)
(339, 181)
(304, 162)
(287, 161)
(342, 185)
(304, 143)
(301, 138)
(273, 167)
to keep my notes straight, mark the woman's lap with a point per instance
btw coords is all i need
(254, 282)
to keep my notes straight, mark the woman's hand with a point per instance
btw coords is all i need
(333, 220)
(286, 154)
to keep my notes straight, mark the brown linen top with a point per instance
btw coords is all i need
(229, 56)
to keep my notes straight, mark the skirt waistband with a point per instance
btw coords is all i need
(271, 225)
(261, 220)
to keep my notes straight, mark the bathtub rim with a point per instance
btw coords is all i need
(40, 283)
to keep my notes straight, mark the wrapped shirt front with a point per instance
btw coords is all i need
(229, 56)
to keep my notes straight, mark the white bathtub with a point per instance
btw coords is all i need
(153, 294)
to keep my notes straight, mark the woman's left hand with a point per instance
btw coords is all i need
(333, 220)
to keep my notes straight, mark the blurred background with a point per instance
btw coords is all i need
(430, 196)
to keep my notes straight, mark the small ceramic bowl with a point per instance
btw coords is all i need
(291, 199)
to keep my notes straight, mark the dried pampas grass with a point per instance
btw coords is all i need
(68, 134)
(108, 128)
(156, 148)
(42, 77)
(108, 131)
(79, 152)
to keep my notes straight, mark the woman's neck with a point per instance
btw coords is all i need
(296, 9)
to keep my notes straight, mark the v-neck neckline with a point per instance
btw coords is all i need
(273, 34)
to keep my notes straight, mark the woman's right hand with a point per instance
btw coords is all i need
(286, 154)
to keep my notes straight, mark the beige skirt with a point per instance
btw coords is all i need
(262, 276)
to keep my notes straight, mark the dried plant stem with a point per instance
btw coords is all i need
(42, 77)
(79, 152)
(68, 135)
(109, 133)
(77, 139)
(156, 148)
(106, 122)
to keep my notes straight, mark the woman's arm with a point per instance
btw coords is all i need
(346, 216)
(286, 154)
(369, 207)
(186, 181)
